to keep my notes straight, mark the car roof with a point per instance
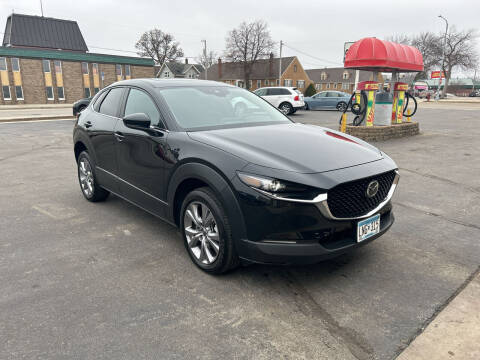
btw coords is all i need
(159, 83)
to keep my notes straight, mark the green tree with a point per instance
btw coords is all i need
(310, 90)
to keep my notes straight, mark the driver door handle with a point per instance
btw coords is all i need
(119, 136)
(88, 124)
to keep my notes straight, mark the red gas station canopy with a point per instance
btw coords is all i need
(379, 55)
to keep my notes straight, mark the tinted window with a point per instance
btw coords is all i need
(261, 92)
(15, 64)
(111, 102)
(99, 100)
(140, 102)
(285, 92)
(218, 107)
(332, 94)
(273, 91)
(322, 94)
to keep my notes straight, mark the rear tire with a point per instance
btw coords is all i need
(306, 107)
(342, 106)
(286, 108)
(91, 189)
(206, 232)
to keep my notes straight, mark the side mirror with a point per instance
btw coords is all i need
(139, 121)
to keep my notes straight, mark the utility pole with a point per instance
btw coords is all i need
(280, 65)
(443, 58)
(205, 56)
(41, 7)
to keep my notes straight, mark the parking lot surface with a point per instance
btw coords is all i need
(109, 281)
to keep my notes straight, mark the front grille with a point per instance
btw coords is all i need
(350, 199)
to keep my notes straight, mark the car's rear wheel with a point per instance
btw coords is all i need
(206, 232)
(286, 108)
(342, 106)
(306, 106)
(86, 177)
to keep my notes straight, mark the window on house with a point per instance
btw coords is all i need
(60, 93)
(166, 74)
(278, 82)
(345, 86)
(19, 92)
(84, 68)
(87, 92)
(46, 66)
(15, 64)
(334, 85)
(96, 90)
(95, 69)
(118, 70)
(3, 63)
(6, 93)
(250, 84)
(323, 76)
(127, 70)
(345, 75)
(58, 66)
(49, 91)
(287, 82)
(300, 84)
(259, 84)
(328, 86)
(294, 68)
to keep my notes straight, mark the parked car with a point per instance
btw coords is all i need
(327, 100)
(251, 187)
(287, 99)
(474, 93)
(80, 105)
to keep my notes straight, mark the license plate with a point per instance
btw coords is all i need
(368, 227)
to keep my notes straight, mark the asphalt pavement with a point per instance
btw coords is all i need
(109, 281)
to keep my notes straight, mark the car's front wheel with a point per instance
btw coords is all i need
(206, 232)
(88, 182)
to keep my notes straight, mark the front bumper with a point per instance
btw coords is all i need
(309, 251)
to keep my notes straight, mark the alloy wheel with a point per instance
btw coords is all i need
(202, 233)
(285, 109)
(86, 177)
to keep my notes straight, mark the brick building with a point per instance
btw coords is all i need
(339, 78)
(45, 61)
(264, 73)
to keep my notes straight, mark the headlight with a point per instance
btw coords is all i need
(266, 184)
(280, 189)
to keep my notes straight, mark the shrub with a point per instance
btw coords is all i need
(310, 90)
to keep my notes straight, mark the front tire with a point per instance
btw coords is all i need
(88, 181)
(341, 106)
(206, 232)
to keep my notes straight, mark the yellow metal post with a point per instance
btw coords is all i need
(343, 125)
(409, 119)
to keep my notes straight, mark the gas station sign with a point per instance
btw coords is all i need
(436, 75)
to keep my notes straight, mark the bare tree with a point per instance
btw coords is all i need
(249, 43)
(429, 45)
(207, 60)
(459, 52)
(160, 46)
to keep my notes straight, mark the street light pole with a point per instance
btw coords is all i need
(443, 57)
(205, 56)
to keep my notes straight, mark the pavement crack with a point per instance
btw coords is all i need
(454, 221)
(358, 346)
(435, 177)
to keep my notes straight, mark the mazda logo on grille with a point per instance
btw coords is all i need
(372, 189)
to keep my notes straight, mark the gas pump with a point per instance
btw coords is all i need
(362, 104)
(401, 99)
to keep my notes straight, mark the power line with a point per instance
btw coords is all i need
(110, 49)
(311, 56)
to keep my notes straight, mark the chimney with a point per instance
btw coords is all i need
(219, 68)
(270, 65)
(186, 61)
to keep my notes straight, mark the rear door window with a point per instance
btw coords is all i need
(111, 103)
(274, 91)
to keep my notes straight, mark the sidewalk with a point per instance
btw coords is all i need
(454, 333)
(10, 113)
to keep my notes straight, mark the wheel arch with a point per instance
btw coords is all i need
(193, 175)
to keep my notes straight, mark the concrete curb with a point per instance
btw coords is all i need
(36, 118)
(35, 106)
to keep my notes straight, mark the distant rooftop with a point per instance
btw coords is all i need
(43, 32)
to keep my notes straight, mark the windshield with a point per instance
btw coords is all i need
(203, 107)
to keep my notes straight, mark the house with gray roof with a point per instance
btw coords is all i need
(338, 78)
(175, 69)
(265, 72)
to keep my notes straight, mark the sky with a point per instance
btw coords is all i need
(315, 31)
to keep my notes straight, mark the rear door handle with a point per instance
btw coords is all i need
(88, 124)
(119, 136)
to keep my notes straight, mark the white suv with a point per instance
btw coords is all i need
(286, 99)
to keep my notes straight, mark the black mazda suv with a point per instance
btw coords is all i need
(241, 180)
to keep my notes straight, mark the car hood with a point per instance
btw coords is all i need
(291, 147)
